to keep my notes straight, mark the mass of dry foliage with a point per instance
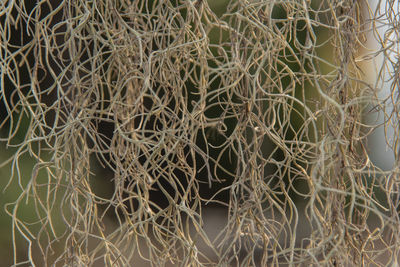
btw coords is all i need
(255, 107)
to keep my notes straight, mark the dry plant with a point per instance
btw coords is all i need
(240, 102)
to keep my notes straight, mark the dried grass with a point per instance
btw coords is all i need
(244, 101)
